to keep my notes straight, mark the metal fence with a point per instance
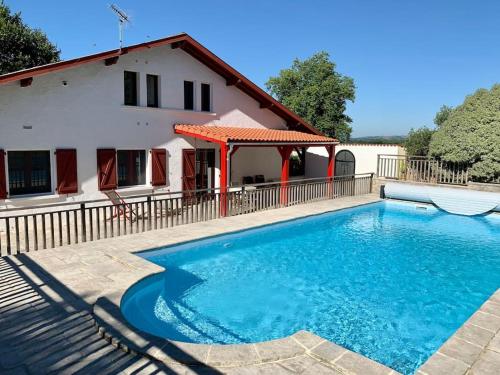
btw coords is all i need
(40, 227)
(422, 169)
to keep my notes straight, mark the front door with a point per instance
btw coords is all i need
(205, 169)
(198, 169)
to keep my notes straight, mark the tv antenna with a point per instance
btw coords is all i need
(123, 18)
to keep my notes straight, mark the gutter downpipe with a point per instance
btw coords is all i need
(228, 163)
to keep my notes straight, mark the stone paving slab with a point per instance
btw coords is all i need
(474, 348)
(41, 336)
(97, 274)
(227, 357)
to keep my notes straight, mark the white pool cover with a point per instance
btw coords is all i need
(453, 200)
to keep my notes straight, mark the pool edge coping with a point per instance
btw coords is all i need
(114, 328)
(255, 227)
(155, 348)
(464, 348)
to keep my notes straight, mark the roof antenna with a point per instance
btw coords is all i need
(122, 19)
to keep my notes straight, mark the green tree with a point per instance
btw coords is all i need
(471, 134)
(21, 46)
(417, 142)
(316, 92)
(442, 115)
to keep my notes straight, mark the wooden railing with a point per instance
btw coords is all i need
(41, 227)
(422, 169)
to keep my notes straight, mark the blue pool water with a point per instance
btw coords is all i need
(387, 280)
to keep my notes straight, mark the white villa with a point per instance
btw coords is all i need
(164, 115)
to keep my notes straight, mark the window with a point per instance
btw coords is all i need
(131, 167)
(152, 88)
(29, 172)
(130, 87)
(189, 95)
(205, 97)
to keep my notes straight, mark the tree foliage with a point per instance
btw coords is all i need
(442, 115)
(471, 134)
(316, 92)
(417, 142)
(20, 46)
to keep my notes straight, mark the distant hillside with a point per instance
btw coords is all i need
(381, 139)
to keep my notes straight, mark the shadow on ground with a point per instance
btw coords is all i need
(47, 329)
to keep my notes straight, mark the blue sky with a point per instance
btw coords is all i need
(407, 57)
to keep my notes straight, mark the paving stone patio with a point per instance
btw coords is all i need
(59, 312)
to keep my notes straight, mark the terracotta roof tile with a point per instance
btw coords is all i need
(238, 134)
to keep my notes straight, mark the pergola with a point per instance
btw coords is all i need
(230, 139)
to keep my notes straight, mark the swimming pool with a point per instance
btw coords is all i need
(388, 280)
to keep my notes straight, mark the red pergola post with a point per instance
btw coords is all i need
(285, 152)
(223, 179)
(330, 172)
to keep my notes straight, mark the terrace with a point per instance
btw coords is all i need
(69, 296)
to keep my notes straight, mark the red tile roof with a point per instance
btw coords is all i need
(228, 134)
(187, 44)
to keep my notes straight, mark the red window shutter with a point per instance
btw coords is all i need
(67, 180)
(3, 180)
(188, 169)
(159, 167)
(106, 168)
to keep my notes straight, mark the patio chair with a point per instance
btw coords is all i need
(259, 179)
(121, 207)
(247, 180)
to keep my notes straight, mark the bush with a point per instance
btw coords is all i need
(471, 134)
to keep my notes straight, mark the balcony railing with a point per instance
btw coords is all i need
(49, 226)
(422, 169)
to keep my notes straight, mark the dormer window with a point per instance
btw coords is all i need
(189, 95)
(206, 102)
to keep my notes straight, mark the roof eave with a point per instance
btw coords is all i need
(195, 49)
(227, 140)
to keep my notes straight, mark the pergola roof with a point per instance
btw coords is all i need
(241, 135)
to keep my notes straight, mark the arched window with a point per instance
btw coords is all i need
(345, 163)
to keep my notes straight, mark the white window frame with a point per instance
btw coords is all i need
(195, 96)
(53, 177)
(138, 88)
(159, 89)
(147, 164)
(211, 109)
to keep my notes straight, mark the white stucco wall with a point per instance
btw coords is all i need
(250, 161)
(365, 155)
(89, 113)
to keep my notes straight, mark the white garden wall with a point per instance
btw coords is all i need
(365, 155)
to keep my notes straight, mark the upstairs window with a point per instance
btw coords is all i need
(189, 95)
(29, 172)
(131, 167)
(130, 87)
(206, 104)
(152, 88)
